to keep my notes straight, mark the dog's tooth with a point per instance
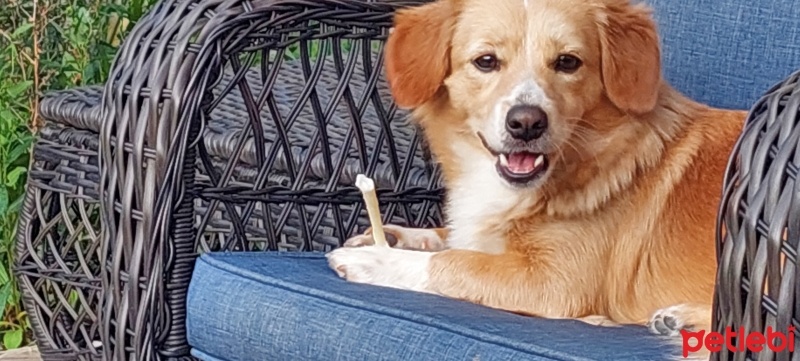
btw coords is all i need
(539, 160)
(503, 160)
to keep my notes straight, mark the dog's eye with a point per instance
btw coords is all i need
(486, 63)
(567, 63)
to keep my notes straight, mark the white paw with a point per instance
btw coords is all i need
(401, 237)
(417, 238)
(382, 266)
(360, 240)
(668, 321)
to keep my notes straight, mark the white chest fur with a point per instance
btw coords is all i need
(480, 204)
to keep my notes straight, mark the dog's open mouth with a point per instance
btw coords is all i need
(521, 167)
(518, 167)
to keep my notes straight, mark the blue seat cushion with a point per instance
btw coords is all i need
(727, 53)
(291, 306)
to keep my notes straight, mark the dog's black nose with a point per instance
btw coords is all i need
(526, 122)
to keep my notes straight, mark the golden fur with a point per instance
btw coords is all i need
(623, 225)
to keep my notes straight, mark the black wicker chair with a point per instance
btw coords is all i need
(210, 136)
(759, 224)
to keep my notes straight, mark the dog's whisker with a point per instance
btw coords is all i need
(583, 135)
(577, 145)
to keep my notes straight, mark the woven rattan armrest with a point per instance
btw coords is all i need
(168, 80)
(758, 233)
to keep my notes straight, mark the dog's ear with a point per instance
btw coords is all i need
(631, 57)
(417, 52)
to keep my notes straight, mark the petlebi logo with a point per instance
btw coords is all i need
(755, 341)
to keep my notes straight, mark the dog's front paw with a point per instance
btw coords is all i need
(363, 240)
(666, 322)
(671, 320)
(361, 265)
(382, 266)
(422, 239)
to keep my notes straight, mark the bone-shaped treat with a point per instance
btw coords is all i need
(367, 187)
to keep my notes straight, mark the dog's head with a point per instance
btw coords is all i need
(525, 73)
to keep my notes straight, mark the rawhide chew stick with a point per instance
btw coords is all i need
(367, 188)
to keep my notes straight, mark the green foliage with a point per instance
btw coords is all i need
(44, 45)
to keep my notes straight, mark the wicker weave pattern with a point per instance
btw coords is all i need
(759, 232)
(208, 138)
(66, 168)
(162, 155)
(76, 108)
(58, 256)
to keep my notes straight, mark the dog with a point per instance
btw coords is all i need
(580, 183)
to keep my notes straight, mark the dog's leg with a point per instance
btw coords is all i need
(511, 281)
(671, 320)
(424, 239)
(508, 281)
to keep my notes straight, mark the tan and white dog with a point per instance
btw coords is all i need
(581, 185)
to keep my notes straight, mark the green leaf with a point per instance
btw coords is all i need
(19, 88)
(13, 177)
(67, 58)
(13, 339)
(22, 29)
(3, 200)
(6, 114)
(4, 291)
(18, 150)
(73, 298)
(16, 205)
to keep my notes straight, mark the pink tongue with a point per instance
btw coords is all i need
(521, 163)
